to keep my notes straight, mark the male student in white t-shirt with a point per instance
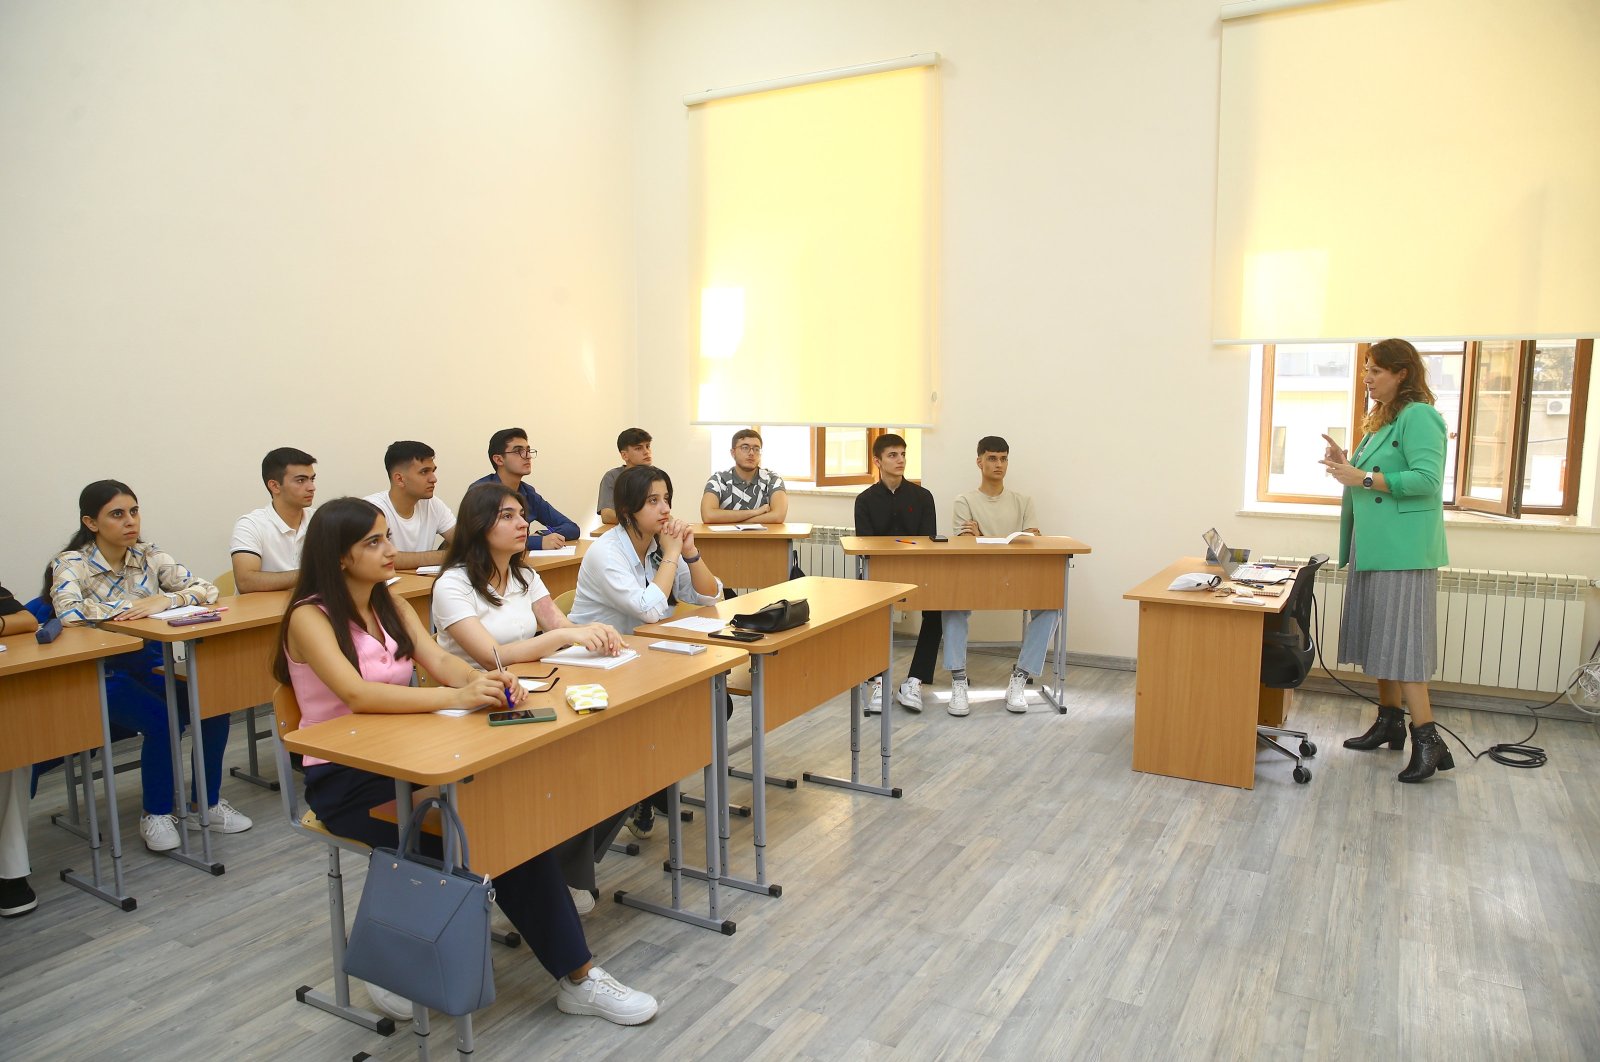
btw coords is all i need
(266, 542)
(992, 511)
(417, 520)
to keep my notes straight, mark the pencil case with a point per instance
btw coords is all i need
(587, 697)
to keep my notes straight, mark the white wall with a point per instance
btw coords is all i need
(235, 226)
(1079, 144)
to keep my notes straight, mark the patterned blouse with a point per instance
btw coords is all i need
(84, 588)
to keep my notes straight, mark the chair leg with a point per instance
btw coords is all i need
(252, 773)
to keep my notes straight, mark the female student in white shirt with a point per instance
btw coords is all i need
(346, 646)
(631, 572)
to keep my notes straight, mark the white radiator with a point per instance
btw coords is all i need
(821, 554)
(1512, 630)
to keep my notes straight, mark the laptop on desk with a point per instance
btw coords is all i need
(1243, 573)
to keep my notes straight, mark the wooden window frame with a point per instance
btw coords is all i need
(1582, 363)
(819, 451)
(1510, 503)
(1269, 360)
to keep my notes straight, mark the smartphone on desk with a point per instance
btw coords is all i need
(732, 635)
(938, 538)
(522, 715)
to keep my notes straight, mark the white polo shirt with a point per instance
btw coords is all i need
(264, 533)
(420, 534)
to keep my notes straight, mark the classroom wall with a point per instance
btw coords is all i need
(1079, 158)
(235, 226)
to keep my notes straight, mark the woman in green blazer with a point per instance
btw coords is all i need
(1391, 535)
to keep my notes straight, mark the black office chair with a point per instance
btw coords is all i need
(1288, 649)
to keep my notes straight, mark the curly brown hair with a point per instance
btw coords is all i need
(1397, 355)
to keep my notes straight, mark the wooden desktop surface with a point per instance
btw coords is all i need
(749, 558)
(528, 787)
(847, 640)
(1154, 589)
(50, 694)
(1027, 573)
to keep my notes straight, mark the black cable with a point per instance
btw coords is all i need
(1511, 754)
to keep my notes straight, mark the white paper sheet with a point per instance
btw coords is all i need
(701, 624)
(579, 657)
(183, 610)
(569, 550)
(738, 527)
(429, 569)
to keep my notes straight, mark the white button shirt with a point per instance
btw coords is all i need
(615, 587)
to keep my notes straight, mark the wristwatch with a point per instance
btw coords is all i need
(1367, 482)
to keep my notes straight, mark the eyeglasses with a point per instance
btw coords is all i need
(746, 448)
(523, 451)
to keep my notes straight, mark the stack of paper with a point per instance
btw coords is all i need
(580, 657)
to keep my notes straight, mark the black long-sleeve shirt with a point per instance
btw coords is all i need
(907, 511)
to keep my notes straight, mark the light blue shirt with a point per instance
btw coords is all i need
(616, 587)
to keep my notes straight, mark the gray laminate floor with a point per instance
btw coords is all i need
(1029, 898)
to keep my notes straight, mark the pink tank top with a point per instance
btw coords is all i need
(376, 662)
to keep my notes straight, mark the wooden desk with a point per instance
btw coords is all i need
(749, 558)
(559, 574)
(1197, 691)
(521, 790)
(1030, 573)
(53, 703)
(849, 640)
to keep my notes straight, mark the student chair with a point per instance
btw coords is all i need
(1288, 650)
(286, 712)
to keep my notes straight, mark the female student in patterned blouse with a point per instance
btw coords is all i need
(108, 570)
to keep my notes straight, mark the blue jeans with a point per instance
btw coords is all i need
(1035, 643)
(138, 701)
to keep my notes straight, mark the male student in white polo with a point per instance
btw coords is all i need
(417, 520)
(266, 541)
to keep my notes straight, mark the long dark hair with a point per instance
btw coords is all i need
(632, 488)
(334, 528)
(91, 500)
(469, 546)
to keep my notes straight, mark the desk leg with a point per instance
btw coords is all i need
(197, 752)
(1058, 697)
(714, 774)
(463, 1023)
(419, 1013)
(95, 887)
(885, 733)
(252, 774)
(180, 801)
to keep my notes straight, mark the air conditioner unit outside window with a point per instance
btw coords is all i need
(1558, 407)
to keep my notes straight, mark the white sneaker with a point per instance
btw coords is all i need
(393, 1004)
(160, 832)
(225, 818)
(1017, 692)
(875, 701)
(958, 698)
(602, 995)
(582, 899)
(910, 694)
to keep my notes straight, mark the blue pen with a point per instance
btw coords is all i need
(498, 666)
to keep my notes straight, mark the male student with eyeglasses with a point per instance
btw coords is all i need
(512, 460)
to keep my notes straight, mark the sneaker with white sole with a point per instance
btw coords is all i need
(582, 899)
(642, 822)
(910, 694)
(958, 698)
(225, 818)
(1017, 692)
(875, 700)
(602, 995)
(16, 897)
(393, 1004)
(160, 832)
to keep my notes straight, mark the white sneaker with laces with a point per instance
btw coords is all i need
(910, 694)
(602, 995)
(582, 899)
(160, 832)
(1017, 692)
(875, 701)
(958, 698)
(393, 1004)
(225, 818)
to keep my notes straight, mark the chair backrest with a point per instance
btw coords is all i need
(225, 584)
(565, 599)
(1288, 648)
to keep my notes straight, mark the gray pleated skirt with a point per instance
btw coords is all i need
(1390, 622)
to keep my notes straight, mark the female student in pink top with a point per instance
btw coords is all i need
(345, 646)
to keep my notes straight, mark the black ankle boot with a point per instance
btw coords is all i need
(1428, 754)
(1389, 728)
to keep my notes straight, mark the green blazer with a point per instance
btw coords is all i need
(1402, 527)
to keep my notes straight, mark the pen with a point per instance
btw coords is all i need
(498, 666)
(907, 541)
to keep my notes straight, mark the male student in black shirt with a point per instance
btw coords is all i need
(896, 506)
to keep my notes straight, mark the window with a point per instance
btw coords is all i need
(1513, 411)
(831, 457)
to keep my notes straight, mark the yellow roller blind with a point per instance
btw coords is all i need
(816, 256)
(1409, 167)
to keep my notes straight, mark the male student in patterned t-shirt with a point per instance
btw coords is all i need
(745, 493)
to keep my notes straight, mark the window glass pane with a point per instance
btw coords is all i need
(787, 451)
(1312, 385)
(1493, 421)
(847, 452)
(1446, 365)
(1545, 480)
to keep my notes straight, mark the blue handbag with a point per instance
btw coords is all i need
(422, 929)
